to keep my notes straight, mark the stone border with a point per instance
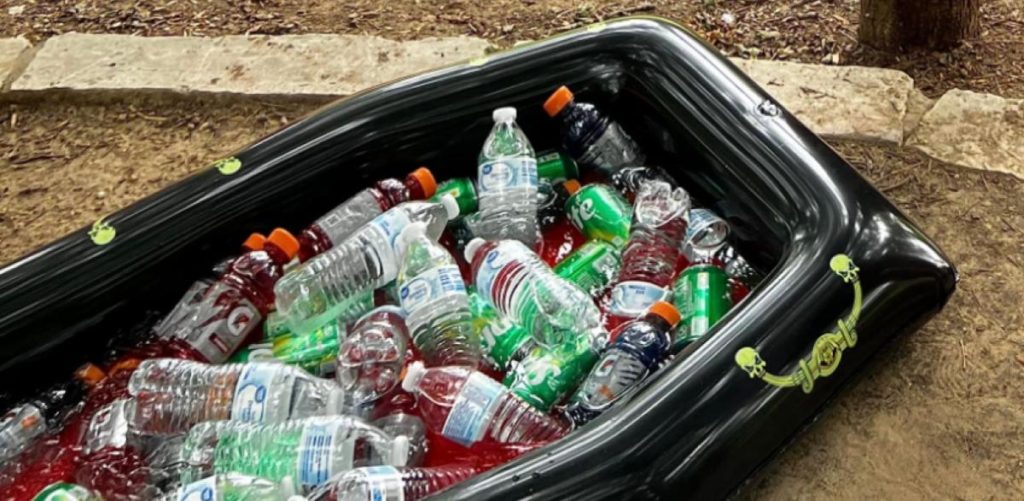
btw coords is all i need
(837, 102)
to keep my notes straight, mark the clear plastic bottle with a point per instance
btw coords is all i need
(653, 252)
(233, 307)
(113, 462)
(594, 140)
(507, 183)
(306, 452)
(335, 226)
(432, 292)
(28, 421)
(387, 483)
(636, 350)
(231, 487)
(171, 396)
(410, 426)
(521, 287)
(373, 354)
(332, 284)
(466, 406)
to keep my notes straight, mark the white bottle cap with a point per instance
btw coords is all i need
(413, 375)
(471, 248)
(287, 489)
(408, 234)
(399, 450)
(451, 206)
(506, 114)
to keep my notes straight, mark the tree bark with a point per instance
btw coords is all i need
(896, 25)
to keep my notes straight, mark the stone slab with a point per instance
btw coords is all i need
(974, 130)
(10, 50)
(332, 65)
(846, 102)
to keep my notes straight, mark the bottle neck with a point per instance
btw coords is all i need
(276, 254)
(659, 323)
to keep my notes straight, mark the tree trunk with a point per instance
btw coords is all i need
(895, 25)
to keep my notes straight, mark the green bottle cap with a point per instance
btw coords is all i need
(556, 166)
(462, 189)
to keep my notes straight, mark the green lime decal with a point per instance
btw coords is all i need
(228, 166)
(101, 232)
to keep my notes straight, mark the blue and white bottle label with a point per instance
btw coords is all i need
(431, 285)
(253, 391)
(203, 490)
(324, 449)
(632, 298)
(390, 224)
(384, 483)
(507, 173)
(474, 406)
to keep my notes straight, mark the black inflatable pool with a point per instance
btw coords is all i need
(846, 271)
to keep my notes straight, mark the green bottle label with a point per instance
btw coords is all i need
(592, 267)
(274, 327)
(316, 352)
(462, 189)
(601, 213)
(501, 340)
(546, 375)
(556, 166)
(702, 298)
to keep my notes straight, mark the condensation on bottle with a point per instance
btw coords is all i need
(387, 483)
(373, 354)
(334, 284)
(507, 183)
(432, 292)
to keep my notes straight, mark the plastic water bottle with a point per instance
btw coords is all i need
(507, 183)
(628, 180)
(466, 406)
(410, 426)
(525, 290)
(636, 350)
(334, 227)
(231, 487)
(28, 421)
(113, 462)
(431, 290)
(373, 354)
(653, 253)
(326, 286)
(171, 396)
(304, 452)
(595, 141)
(233, 307)
(386, 483)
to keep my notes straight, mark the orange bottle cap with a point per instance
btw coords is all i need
(557, 101)
(89, 374)
(254, 242)
(128, 364)
(426, 180)
(666, 311)
(285, 241)
(572, 186)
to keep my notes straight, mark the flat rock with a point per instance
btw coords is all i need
(974, 130)
(10, 50)
(292, 64)
(847, 102)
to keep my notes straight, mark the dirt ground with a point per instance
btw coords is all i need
(937, 416)
(811, 31)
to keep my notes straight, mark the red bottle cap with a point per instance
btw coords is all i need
(284, 240)
(666, 311)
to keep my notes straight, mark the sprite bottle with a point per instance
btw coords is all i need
(601, 213)
(592, 267)
(315, 351)
(462, 189)
(556, 166)
(548, 374)
(503, 342)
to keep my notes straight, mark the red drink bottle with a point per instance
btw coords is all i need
(335, 226)
(234, 305)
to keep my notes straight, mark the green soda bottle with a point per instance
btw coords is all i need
(503, 342)
(702, 296)
(547, 375)
(592, 267)
(304, 452)
(462, 189)
(316, 351)
(556, 166)
(232, 487)
(63, 491)
(601, 213)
